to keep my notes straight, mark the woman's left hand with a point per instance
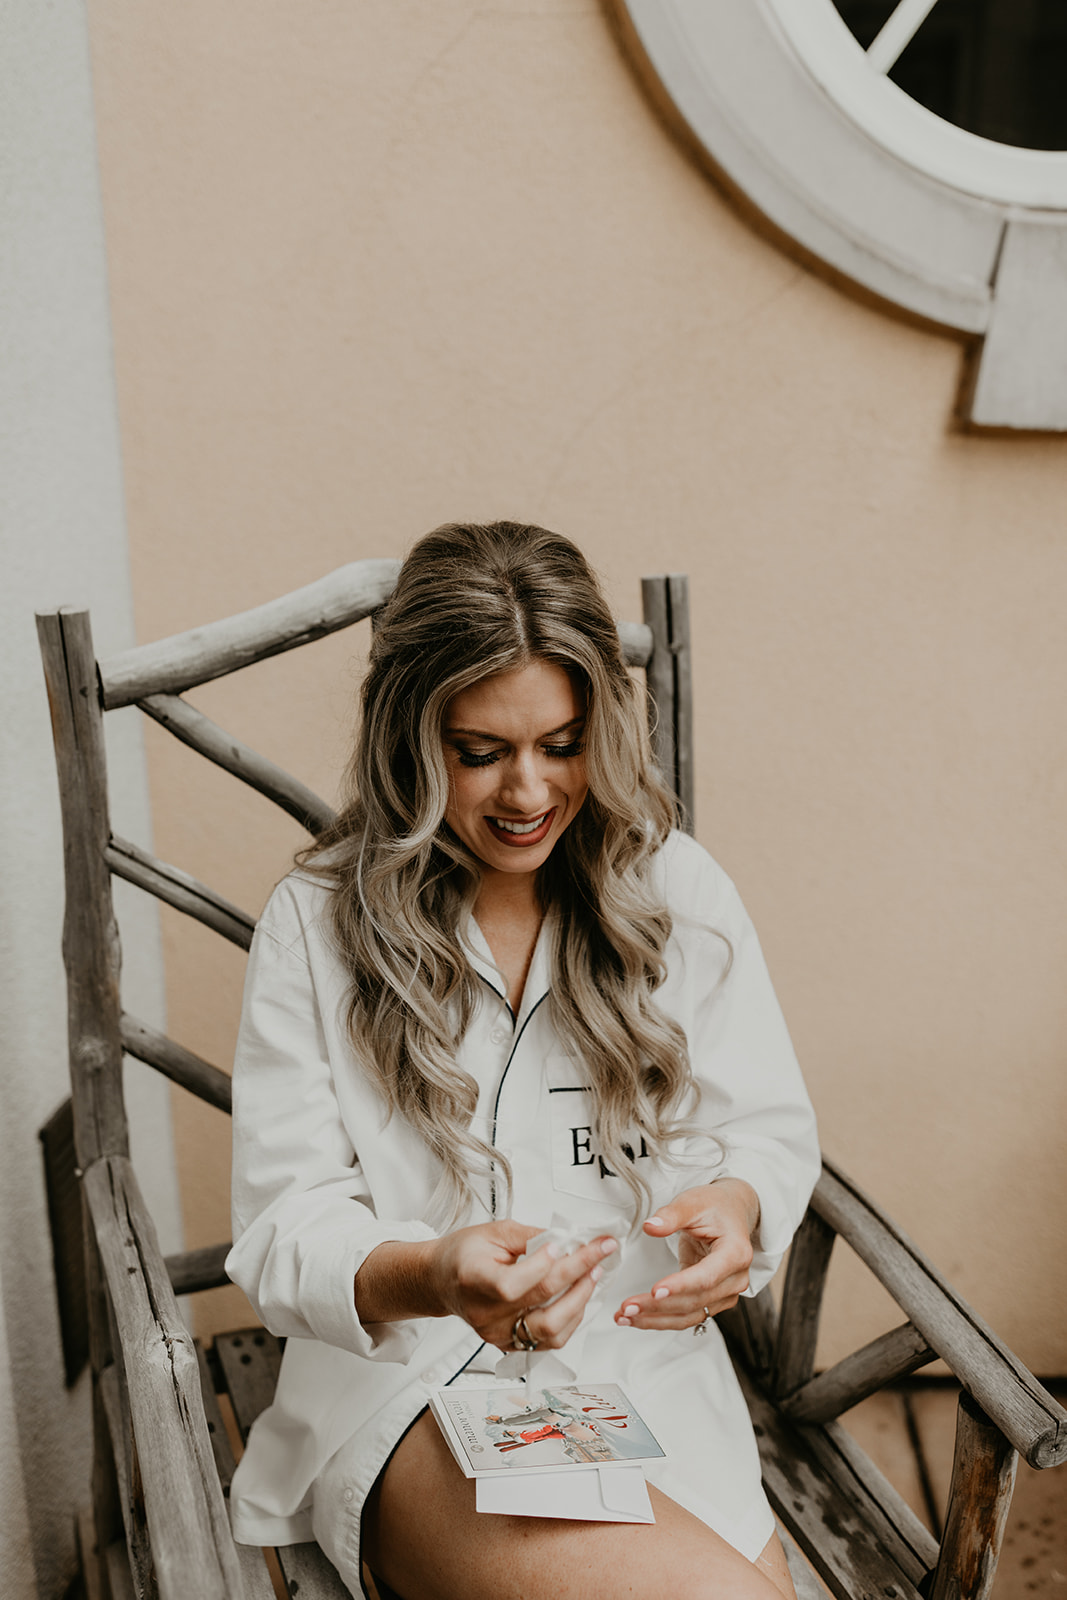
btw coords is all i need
(716, 1223)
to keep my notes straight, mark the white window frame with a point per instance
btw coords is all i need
(966, 233)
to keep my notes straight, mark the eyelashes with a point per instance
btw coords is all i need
(556, 752)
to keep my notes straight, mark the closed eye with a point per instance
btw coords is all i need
(564, 752)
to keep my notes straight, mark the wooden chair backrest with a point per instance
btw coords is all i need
(147, 1394)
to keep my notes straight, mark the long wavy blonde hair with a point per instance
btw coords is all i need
(472, 601)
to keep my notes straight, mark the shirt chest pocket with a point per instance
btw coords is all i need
(579, 1166)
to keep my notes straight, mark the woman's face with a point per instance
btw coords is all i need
(513, 747)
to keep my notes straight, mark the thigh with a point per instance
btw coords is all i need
(423, 1535)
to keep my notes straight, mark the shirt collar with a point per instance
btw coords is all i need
(539, 978)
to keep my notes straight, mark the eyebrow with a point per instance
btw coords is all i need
(496, 738)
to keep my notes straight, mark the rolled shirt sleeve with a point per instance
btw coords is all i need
(302, 1220)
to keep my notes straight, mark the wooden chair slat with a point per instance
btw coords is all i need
(751, 1328)
(637, 643)
(180, 890)
(136, 1551)
(187, 1523)
(191, 726)
(190, 1271)
(176, 1062)
(119, 1576)
(859, 1535)
(1028, 1416)
(798, 1322)
(983, 1478)
(90, 933)
(684, 754)
(892, 1355)
(310, 1574)
(250, 1359)
(197, 656)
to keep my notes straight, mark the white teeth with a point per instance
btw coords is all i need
(519, 827)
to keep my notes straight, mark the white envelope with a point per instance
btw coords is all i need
(604, 1494)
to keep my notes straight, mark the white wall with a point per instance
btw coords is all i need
(62, 541)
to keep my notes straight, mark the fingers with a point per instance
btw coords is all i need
(537, 1279)
(684, 1298)
(552, 1325)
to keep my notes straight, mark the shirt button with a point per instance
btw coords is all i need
(350, 1494)
(430, 1375)
(498, 1036)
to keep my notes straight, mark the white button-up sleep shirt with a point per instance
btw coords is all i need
(322, 1174)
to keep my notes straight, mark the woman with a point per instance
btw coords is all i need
(502, 988)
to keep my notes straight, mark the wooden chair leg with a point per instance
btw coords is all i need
(983, 1477)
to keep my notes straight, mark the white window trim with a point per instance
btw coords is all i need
(966, 233)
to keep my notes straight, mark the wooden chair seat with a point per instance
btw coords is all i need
(163, 1459)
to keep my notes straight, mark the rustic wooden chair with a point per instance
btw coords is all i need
(162, 1456)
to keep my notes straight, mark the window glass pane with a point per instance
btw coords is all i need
(866, 18)
(995, 67)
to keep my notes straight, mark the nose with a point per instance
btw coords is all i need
(525, 787)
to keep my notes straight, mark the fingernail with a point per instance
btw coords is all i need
(554, 1250)
(596, 1274)
(609, 1245)
(631, 1311)
(660, 1294)
(623, 1322)
(655, 1222)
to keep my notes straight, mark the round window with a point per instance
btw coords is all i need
(919, 148)
(996, 68)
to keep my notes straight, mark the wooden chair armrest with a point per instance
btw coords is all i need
(193, 1551)
(1011, 1396)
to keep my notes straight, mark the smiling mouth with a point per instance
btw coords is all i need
(522, 833)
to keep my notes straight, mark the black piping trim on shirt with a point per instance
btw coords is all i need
(572, 1088)
(500, 1089)
(460, 1370)
(500, 996)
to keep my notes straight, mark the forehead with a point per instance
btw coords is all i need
(534, 699)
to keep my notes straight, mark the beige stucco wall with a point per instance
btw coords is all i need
(376, 266)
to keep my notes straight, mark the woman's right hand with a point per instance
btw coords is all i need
(482, 1275)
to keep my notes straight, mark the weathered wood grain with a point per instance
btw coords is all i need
(90, 934)
(119, 1577)
(636, 643)
(176, 1062)
(184, 1510)
(891, 1356)
(659, 677)
(681, 651)
(798, 1320)
(250, 1359)
(983, 1478)
(191, 1271)
(863, 1541)
(1011, 1396)
(191, 726)
(140, 1570)
(668, 677)
(180, 890)
(751, 1330)
(201, 654)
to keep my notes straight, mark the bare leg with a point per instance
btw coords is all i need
(771, 1560)
(423, 1535)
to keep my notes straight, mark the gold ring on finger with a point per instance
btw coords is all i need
(701, 1327)
(521, 1337)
